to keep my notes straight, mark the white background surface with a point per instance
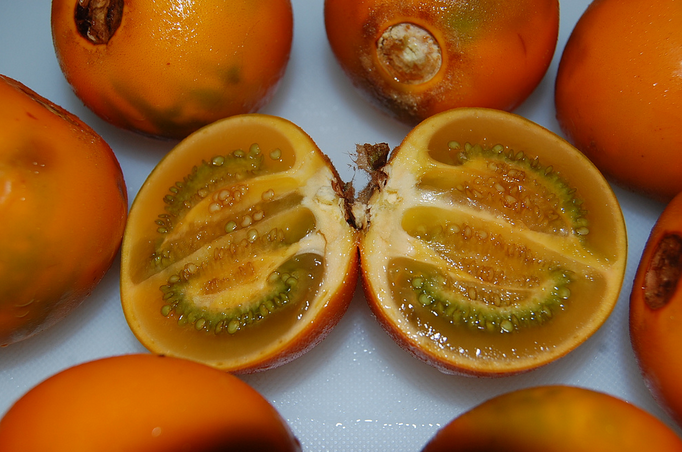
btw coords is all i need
(357, 391)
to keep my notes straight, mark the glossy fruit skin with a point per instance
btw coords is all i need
(63, 204)
(143, 403)
(173, 66)
(555, 419)
(432, 340)
(493, 53)
(656, 307)
(618, 92)
(276, 338)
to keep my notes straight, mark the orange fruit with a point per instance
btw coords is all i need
(656, 307)
(63, 207)
(619, 92)
(414, 58)
(143, 403)
(555, 419)
(238, 252)
(493, 245)
(166, 68)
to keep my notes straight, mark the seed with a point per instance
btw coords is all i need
(417, 283)
(239, 153)
(276, 154)
(223, 194)
(453, 145)
(582, 231)
(258, 215)
(253, 235)
(233, 326)
(506, 326)
(424, 299)
(230, 226)
(200, 323)
(268, 195)
(218, 160)
(246, 221)
(214, 207)
(254, 149)
(273, 278)
(166, 310)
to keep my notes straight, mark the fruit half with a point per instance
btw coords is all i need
(491, 245)
(238, 252)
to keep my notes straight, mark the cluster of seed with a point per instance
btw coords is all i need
(463, 245)
(523, 188)
(488, 310)
(232, 320)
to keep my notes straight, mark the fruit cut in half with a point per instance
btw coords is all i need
(555, 419)
(492, 246)
(238, 252)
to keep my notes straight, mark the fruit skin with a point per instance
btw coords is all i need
(173, 66)
(555, 419)
(63, 204)
(618, 93)
(143, 403)
(493, 52)
(655, 310)
(142, 301)
(606, 241)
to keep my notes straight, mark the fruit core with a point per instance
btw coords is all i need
(98, 20)
(409, 53)
(663, 275)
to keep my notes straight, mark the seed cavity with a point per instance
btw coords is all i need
(665, 270)
(491, 309)
(98, 20)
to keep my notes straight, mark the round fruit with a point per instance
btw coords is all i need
(415, 58)
(656, 307)
(63, 207)
(619, 92)
(555, 419)
(238, 251)
(143, 403)
(168, 67)
(493, 245)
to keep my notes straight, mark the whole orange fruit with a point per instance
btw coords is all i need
(414, 58)
(555, 419)
(144, 403)
(656, 308)
(238, 252)
(63, 207)
(166, 68)
(619, 92)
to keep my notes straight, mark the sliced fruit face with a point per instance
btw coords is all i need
(492, 245)
(555, 419)
(238, 252)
